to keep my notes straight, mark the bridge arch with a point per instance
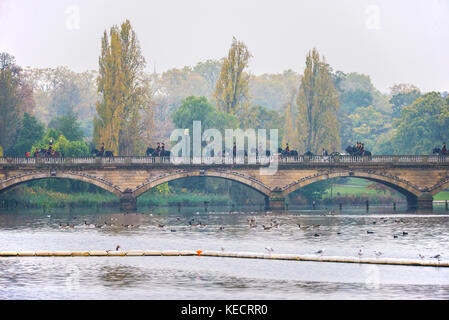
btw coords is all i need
(99, 182)
(402, 186)
(441, 186)
(234, 176)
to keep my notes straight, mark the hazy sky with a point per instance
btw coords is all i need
(392, 41)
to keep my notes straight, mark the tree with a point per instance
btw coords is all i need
(403, 95)
(124, 91)
(59, 91)
(1, 151)
(68, 125)
(317, 107)
(423, 125)
(367, 125)
(31, 131)
(199, 109)
(273, 90)
(353, 99)
(290, 132)
(62, 144)
(233, 83)
(10, 100)
(210, 71)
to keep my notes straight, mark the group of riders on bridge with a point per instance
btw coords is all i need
(356, 150)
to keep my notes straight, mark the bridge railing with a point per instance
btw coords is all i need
(416, 159)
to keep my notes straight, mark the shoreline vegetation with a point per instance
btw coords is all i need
(37, 197)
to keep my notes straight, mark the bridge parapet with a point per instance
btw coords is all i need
(318, 160)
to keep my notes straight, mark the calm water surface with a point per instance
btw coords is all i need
(342, 234)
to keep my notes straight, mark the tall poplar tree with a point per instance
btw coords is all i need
(125, 92)
(317, 107)
(10, 100)
(290, 131)
(233, 83)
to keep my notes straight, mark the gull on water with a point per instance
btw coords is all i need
(269, 249)
(438, 256)
(320, 252)
(360, 253)
(378, 253)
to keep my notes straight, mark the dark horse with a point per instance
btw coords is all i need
(44, 153)
(151, 152)
(107, 154)
(439, 152)
(285, 153)
(353, 151)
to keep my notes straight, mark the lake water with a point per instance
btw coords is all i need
(342, 233)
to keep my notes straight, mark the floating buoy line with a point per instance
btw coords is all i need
(221, 254)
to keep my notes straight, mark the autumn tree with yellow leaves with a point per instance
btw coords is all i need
(318, 104)
(233, 83)
(125, 93)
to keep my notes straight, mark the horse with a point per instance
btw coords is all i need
(106, 154)
(284, 153)
(308, 154)
(353, 151)
(335, 154)
(150, 152)
(47, 153)
(437, 151)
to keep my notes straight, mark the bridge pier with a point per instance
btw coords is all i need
(128, 202)
(423, 202)
(275, 202)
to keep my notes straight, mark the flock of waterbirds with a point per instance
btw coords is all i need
(273, 223)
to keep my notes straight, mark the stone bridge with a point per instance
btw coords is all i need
(419, 178)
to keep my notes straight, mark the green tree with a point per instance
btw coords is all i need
(10, 100)
(368, 124)
(233, 84)
(1, 151)
(124, 91)
(31, 131)
(423, 125)
(317, 107)
(353, 99)
(68, 125)
(199, 109)
(403, 95)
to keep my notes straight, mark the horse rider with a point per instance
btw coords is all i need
(158, 148)
(324, 152)
(287, 148)
(444, 149)
(163, 149)
(102, 149)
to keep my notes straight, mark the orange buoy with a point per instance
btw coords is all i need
(199, 252)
